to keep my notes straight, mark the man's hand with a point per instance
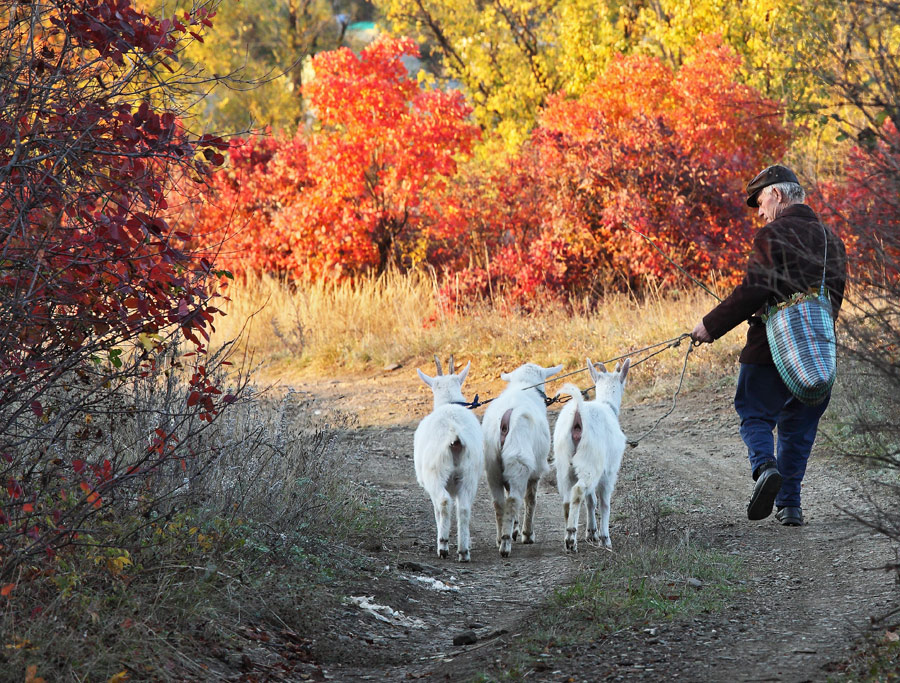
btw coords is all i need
(701, 335)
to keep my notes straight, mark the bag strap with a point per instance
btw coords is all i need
(825, 262)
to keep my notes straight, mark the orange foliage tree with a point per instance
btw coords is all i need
(361, 191)
(643, 149)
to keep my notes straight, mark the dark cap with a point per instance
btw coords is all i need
(770, 176)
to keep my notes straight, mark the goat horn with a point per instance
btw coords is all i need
(451, 364)
(438, 363)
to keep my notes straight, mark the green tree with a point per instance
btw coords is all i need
(258, 51)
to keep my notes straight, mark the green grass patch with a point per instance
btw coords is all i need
(638, 585)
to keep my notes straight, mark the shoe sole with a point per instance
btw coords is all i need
(763, 499)
(789, 520)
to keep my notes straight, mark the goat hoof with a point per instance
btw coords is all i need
(592, 537)
(528, 539)
(571, 545)
(444, 553)
(463, 556)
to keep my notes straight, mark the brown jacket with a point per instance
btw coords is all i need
(787, 257)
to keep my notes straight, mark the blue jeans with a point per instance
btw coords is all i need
(763, 402)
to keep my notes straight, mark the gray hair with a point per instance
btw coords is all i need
(791, 193)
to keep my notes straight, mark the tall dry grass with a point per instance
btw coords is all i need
(346, 328)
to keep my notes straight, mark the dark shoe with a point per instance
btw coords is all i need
(763, 499)
(790, 516)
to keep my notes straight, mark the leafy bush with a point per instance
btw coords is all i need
(644, 153)
(161, 577)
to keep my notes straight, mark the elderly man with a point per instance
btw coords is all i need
(788, 256)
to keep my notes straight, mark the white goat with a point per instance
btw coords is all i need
(516, 446)
(588, 444)
(447, 452)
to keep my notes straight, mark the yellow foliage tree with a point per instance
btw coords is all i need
(511, 54)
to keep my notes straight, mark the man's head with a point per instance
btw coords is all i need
(774, 189)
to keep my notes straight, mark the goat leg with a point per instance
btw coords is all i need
(591, 535)
(530, 499)
(510, 512)
(442, 520)
(572, 521)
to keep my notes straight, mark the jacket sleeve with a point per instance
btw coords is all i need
(749, 296)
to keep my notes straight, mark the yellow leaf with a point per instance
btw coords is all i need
(149, 341)
(119, 677)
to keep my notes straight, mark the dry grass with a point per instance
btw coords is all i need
(319, 329)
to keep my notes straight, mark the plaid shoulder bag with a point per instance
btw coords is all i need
(802, 341)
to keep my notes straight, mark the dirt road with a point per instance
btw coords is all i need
(810, 591)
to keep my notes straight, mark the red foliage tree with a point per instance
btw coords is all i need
(358, 194)
(240, 211)
(89, 264)
(648, 150)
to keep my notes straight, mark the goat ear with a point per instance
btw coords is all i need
(464, 372)
(425, 378)
(592, 370)
(552, 371)
(624, 372)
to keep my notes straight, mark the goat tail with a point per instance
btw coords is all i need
(574, 392)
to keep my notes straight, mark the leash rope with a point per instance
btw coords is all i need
(687, 355)
(668, 343)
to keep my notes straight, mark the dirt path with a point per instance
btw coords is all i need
(810, 592)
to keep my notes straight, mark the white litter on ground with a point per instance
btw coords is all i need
(436, 584)
(385, 613)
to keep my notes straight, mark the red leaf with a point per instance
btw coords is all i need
(37, 408)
